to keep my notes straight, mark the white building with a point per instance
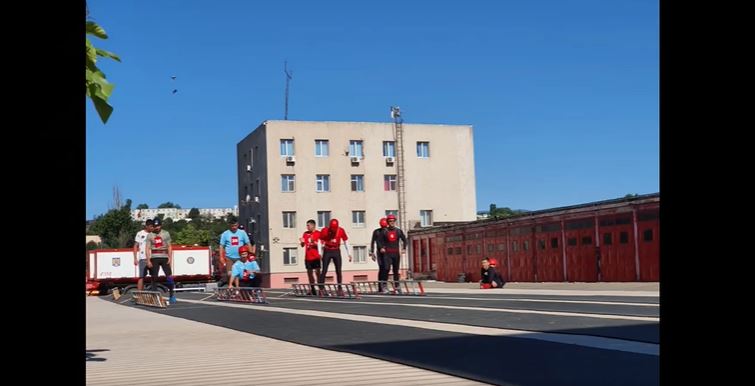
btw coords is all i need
(181, 214)
(293, 171)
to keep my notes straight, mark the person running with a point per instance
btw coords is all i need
(160, 254)
(332, 237)
(140, 252)
(389, 246)
(310, 240)
(376, 234)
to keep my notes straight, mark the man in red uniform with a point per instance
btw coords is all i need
(389, 246)
(310, 240)
(332, 237)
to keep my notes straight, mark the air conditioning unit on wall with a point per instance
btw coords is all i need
(355, 160)
(290, 159)
(390, 160)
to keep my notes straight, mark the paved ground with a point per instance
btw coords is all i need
(561, 334)
(131, 346)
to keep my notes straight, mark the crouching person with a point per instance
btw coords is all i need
(490, 277)
(244, 272)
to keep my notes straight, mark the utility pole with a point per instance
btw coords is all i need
(289, 75)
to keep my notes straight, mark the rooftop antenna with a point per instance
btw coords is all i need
(289, 75)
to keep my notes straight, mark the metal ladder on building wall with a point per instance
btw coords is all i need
(331, 290)
(401, 287)
(241, 295)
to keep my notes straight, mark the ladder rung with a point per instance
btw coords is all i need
(241, 295)
(150, 298)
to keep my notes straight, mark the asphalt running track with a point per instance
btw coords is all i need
(493, 337)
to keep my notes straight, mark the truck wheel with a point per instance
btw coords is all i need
(127, 290)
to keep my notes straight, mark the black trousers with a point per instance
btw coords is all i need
(158, 262)
(327, 256)
(389, 259)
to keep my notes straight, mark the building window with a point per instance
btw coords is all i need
(491, 247)
(554, 242)
(322, 183)
(426, 218)
(289, 219)
(287, 147)
(647, 235)
(457, 251)
(357, 183)
(357, 218)
(541, 244)
(514, 245)
(389, 182)
(623, 237)
(289, 256)
(526, 245)
(389, 149)
(572, 241)
(323, 218)
(469, 249)
(287, 183)
(321, 148)
(259, 188)
(355, 149)
(607, 239)
(360, 254)
(450, 251)
(502, 246)
(478, 248)
(586, 240)
(423, 149)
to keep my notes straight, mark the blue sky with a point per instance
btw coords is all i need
(562, 95)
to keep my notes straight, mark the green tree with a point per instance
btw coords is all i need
(92, 245)
(116, 228)
(169, 205)
(504, 212)
(190, 235)
(98, 89)
(193, 214)
(142, 206)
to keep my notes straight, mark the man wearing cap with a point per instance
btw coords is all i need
(230, 242)
(243, 272)
(332, 235)
(389, 246)
(140, 252)
(376, 234)
(160, 254)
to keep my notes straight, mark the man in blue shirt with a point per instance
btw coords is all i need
(244, 271)
(230, 242)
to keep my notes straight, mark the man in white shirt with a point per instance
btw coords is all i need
(140, 254)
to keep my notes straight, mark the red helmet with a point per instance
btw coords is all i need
(390, 217)
(243, 249)
(493, 262)
(334, 224)
(383, 222)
